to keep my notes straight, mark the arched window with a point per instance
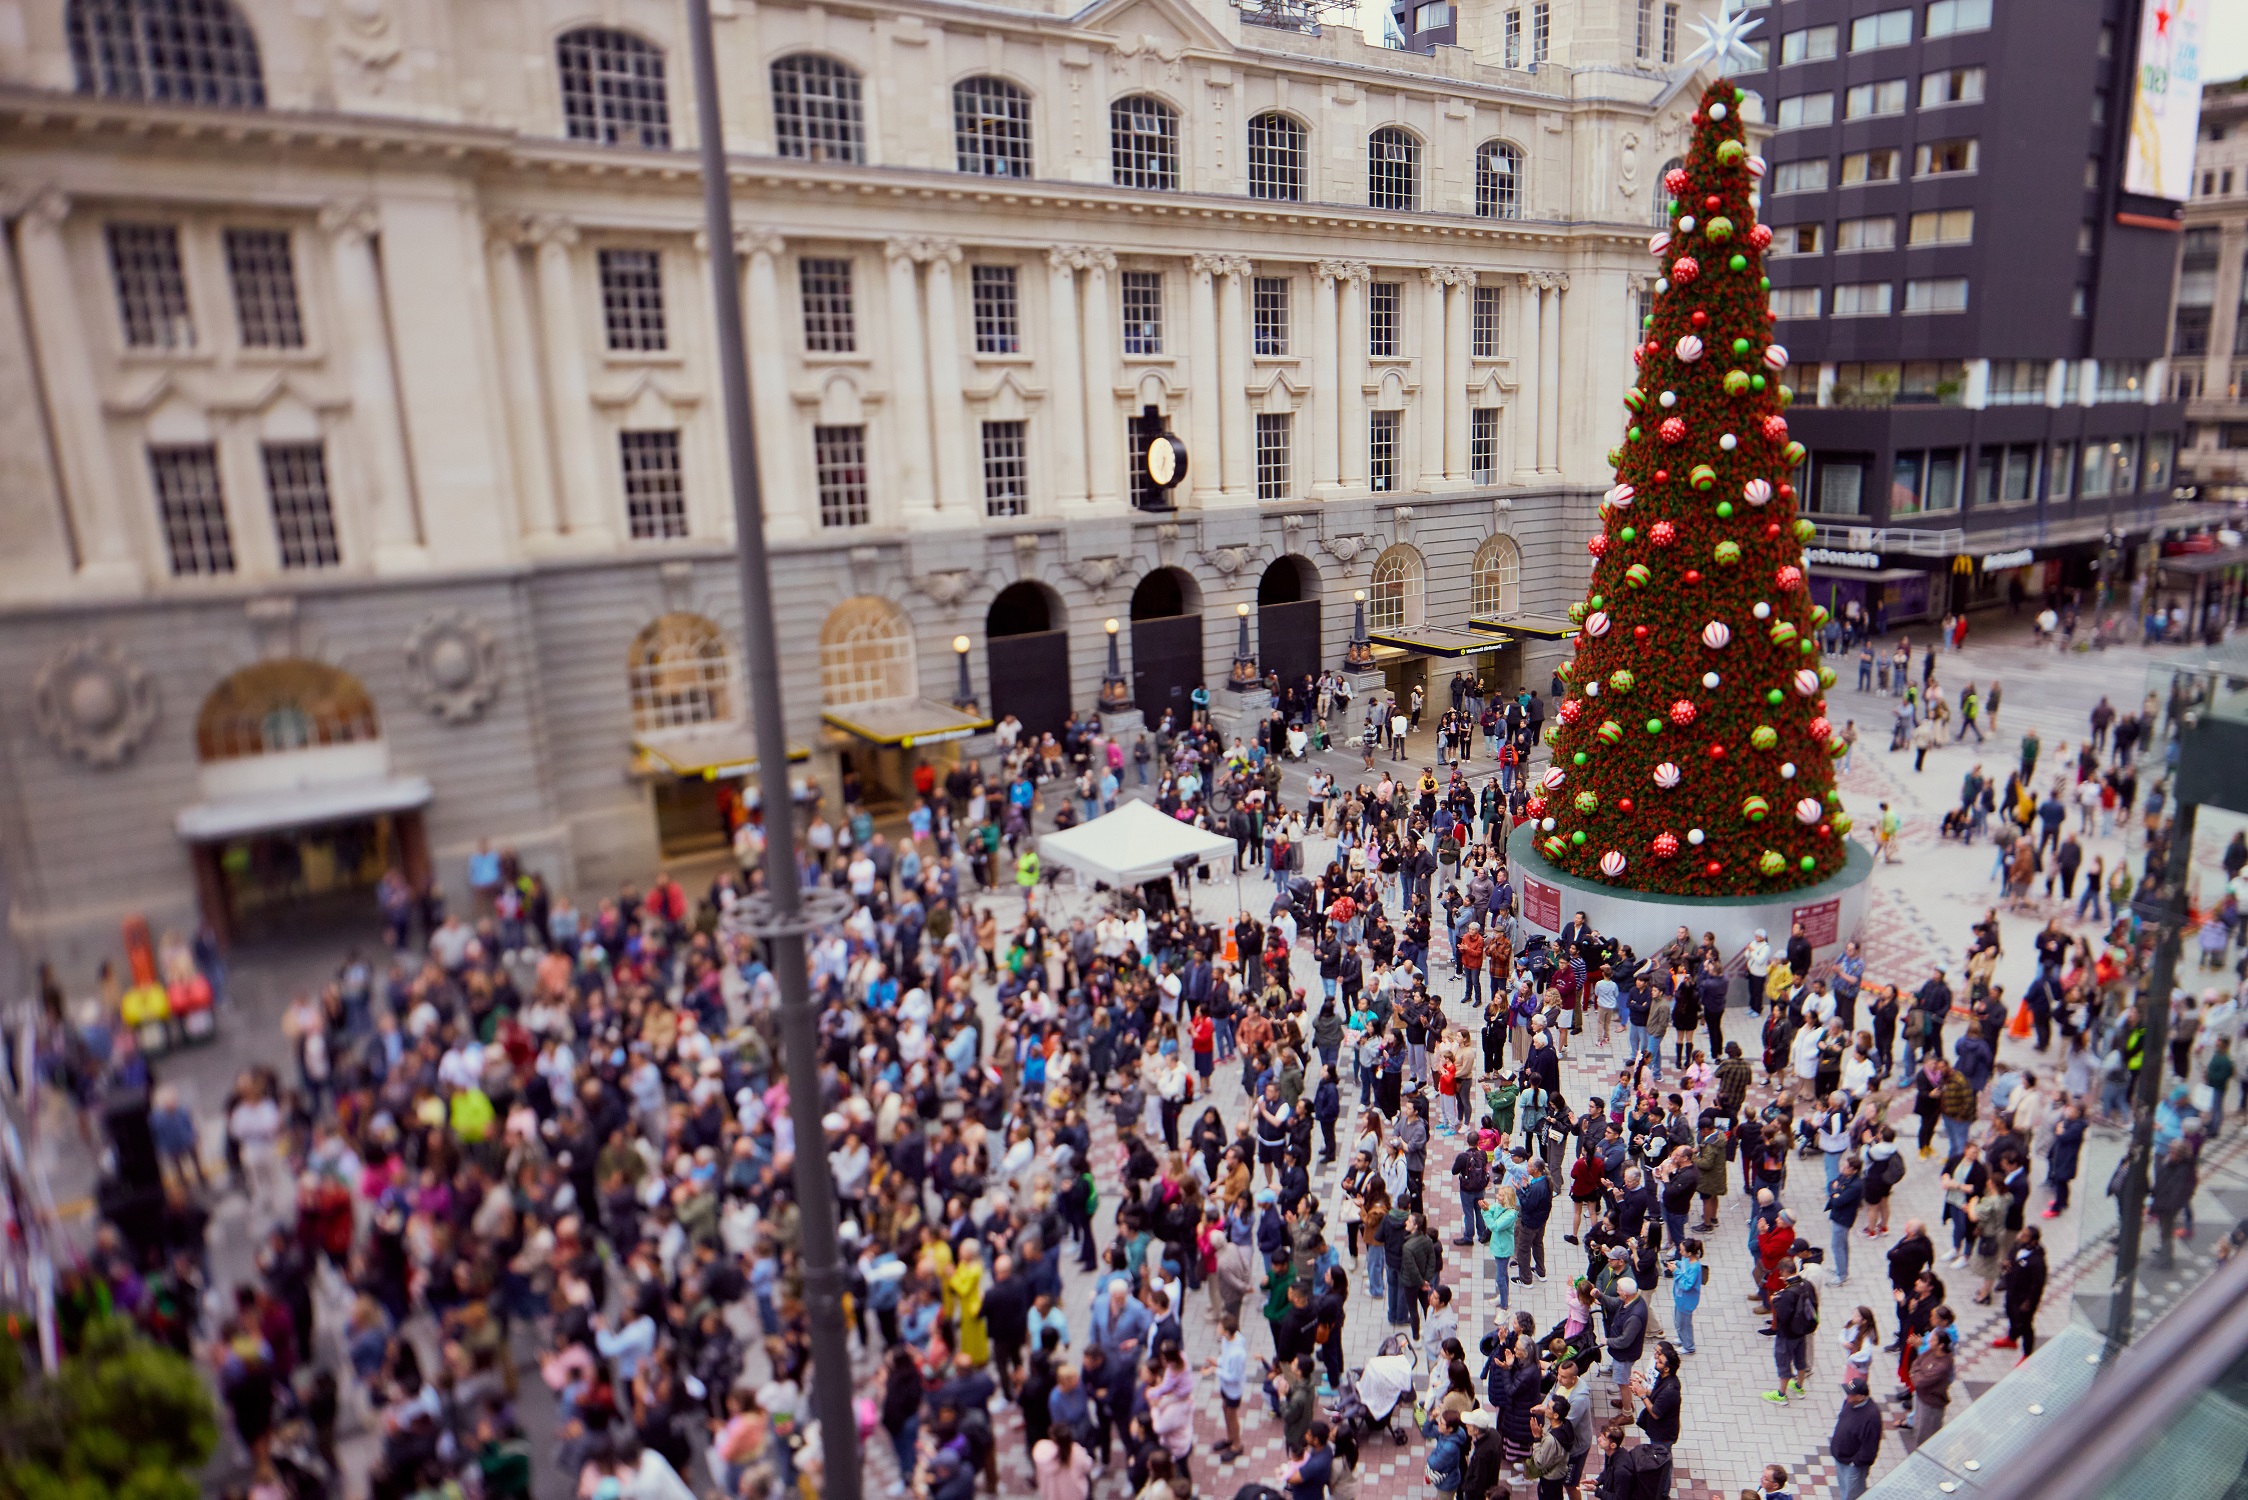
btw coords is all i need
(172, 51)
(1393, 170)
(816, 110)
(283, 705)
(1276, 158)
(1396, 599)
(681, 673)
(1143, 143)
(1662, 193)
(1496, 579)
(866, 654)
(612, 88)
(991, 127)
(1498, 181)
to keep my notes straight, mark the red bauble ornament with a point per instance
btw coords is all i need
(1623, 804)
(1713, 203)
(1771, 531)
(1826, 830)
(1693, 575)
(1717, 752)
(1684, 269)
(1713, 868)
(1790, 577)
(1662, 476)
(1786, 491)
(1819, 729)
(1682, 712)
(1761, 236)
(1597, 546)
(1673, 430)
(1571, 710)
(1662, 533)
(1639, 632)
(1695, 118)
(1675, 181)
(1664, 846)
(1699, 318)
(1535, 808)
(1775, 428)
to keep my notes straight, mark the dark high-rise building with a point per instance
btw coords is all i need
(1975, 305)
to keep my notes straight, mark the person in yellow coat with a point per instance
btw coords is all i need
(963, 1296)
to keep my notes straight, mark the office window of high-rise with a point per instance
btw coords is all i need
(655, 494)
(144, 267)
(1276, 157)
(632, 299)
(1794, 302)
(992, 303)
(1805, 111)
(2121, 380)
(1269, 315)
(191, 509)
(1756, 60)
(1889, 28)
(1942, 226)
(1275, 441)
(1483, 445)
(1951, 86)
(1841, 487)
(1947, 158)
(1937, 294)
(1861, 167)
(1143, 311)
(1512, 29)
(2080, 302)
(825, 286)
(1876, 233)
(1949, 17)
(1862, 299)
(2018, 382)
(296, 491)
(1381, 450)
(839, 472)
(2198, 255)
(1799, 176)
(1792, 240)
(1541, 31)
(1811, 44)
(2099, 108)
(1483, 324)
(263, 274)
(1006, 469)
(2091, 173)
(1381, 319)
(1866, 101)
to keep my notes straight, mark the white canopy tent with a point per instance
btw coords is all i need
(1134, 843)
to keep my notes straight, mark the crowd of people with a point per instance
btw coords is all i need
(535, 1129)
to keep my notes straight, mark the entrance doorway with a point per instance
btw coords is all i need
(1288, 620)
(1166, 645)
(277, 881)
(1026, 651)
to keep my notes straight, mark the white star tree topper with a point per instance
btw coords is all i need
(1724, 37)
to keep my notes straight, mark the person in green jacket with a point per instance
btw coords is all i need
(1499, 1221)
(1501, 1099)
(2218, 1073)
(1277, 1280)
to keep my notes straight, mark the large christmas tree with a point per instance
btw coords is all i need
(1693, 752)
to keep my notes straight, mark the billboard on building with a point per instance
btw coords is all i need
(2166, 105)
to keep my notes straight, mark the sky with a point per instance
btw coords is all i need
(2224, 42)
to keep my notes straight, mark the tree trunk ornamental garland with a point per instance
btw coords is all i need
(1692, 754)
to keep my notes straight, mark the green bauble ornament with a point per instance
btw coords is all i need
(1805, 531)
(1724, 510)
(1771, 862)
(1787, 395)
(1764, 283)
(1637, 575)
(1764, 737)
(1654, 726)
(1635, 398)
(1627, 535)
(1552, 735)
(1840, 822)
(1807, 864)
(1808, 646)
(1819, 615)
(1729, 152)
(1775, 697)
(1702, 476)
(1718, 230)
(1599, 602)
(1586, 802)
(1738, 262)
(1577, 838)
(1736, 381)
(1754, 809)
(1633, 434)
(1609, 732)
(1622, 681)
(1578, 611)
(1782, 632)
(1727, 553)
(1740, 346)
(1826, 675)
(1580, 758)
(1756, 382)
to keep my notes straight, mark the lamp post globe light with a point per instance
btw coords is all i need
(1115, 696)
(963, 692)
(1360, 656)
(1244, 674)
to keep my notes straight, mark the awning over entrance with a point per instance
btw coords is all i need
(1536, 627)
(1882, 575)
(1440, 640)
(2195, 564)
(299, 807)
(715, 754)
(907, 722)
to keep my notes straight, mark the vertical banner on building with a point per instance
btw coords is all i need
(2166, 105)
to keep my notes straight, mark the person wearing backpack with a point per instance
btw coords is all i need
(1473, 1169)
(1795, 1317)
(1447, 1455)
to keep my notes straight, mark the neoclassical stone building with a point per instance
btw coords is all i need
(362, 487)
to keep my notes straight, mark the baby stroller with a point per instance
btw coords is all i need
(1379, 1397)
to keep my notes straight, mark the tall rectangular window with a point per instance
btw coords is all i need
(304, 520)
(264, 278)
(191, 509)
(1889, 28)
(1644, 42)
(1670, 33)
(632, 300)
(1381, 450)
(1483, 324)
(839, 470)
(144, 262)
(1483, 445)
(1143, 312)
(825, 286)
(1841, 488)
(991, 292)
(1513, 32)
(1006, 469)
(1381, 320)
(2060, 470)
(1541, 31)
(1269, 296)
(655, 494)
(1276, 433)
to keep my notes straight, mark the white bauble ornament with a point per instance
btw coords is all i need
(1689, 349)
(1728, 442)
(1718, 111)
(1757, 491)
(1662, 283)
(1596, 624)
(1592, 688)
(1686, 224)
(1809, 811)
(1621, 496)
(1611, 864)
(1709, 679)
(1658, 244)
(1668, 398)
(1666, 775)
(1716, 635)
(1693, 835)
(1762, 611)
(1547, 825)
(1807, 683)
(1787, 770)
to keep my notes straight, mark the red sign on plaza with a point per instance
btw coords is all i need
(1822, 922)
(1541, 904)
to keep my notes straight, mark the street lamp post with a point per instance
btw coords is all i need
(780, 915)
(1244, 675)
(1360, 656)
(1115, 696)
(964, 692)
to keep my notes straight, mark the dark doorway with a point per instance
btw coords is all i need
(1288, 620)
(1027, 656)
(1166, 645)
